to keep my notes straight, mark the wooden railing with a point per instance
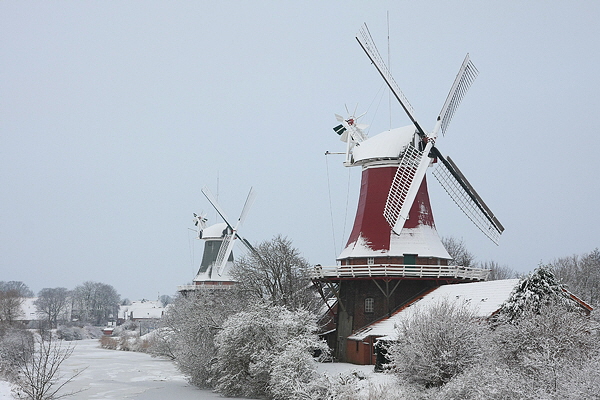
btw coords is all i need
(399, 270)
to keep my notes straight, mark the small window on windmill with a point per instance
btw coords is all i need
(369, 305)
(370, 260)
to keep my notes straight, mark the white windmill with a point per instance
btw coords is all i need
(219, 239)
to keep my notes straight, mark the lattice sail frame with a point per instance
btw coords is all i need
(223, 253)
(465, 77)
(401, 184)
(465, 202)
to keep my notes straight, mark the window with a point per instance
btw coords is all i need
(369, 305)
(370, 260)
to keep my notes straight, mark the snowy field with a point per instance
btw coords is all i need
(112, 374)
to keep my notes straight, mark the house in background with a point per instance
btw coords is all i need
(139, 311)
(29, 313)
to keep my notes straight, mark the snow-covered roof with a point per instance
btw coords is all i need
(142, 309)
(422, 240)
(484, 298)
(214, 231)
(385, 145)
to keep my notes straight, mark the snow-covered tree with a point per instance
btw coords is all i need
(545, 343)
(52, 303)
(266, 351)
(533, 291)
(189, 329)
(10, 306)
(278, 274)
(436, 343)
(95, 302)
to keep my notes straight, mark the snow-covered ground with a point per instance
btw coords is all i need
(112, 374)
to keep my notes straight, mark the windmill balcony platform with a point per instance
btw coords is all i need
(186, 288)
(399, 271)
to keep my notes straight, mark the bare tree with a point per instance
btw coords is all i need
(278, 274)
(18, 286)
(39, 375)
(498, 272)
(10, 306)
(165, 299)
(52, 302)
(581, 274)
(12, 295)
(458, 251)
(95, 302)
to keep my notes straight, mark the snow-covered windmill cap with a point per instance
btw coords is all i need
(386, 145)
(214, 231)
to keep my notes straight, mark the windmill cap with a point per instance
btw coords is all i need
(214, 231)
(385, 145)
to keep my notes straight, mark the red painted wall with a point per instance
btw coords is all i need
(369, 220)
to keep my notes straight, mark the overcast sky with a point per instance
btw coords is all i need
(114, 115)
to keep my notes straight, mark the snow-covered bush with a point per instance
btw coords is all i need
(436, 344)
(190, 326)
(545, 344)
(14, 343)
(69, 333)
(293, 373)
(160, 343)
(253, 349)
(109, 343)
(487, 381)
(92, 332)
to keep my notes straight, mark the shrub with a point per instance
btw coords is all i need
(436, 343)
(110, 343)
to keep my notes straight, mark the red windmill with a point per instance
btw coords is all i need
(394, 252)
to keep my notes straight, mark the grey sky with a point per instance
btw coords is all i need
(114, 115)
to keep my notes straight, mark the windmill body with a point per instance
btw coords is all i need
(213, 237)
(372, 238)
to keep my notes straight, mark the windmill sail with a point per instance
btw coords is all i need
(465, 77)
(466, 198)
(405, 185)
(368, 45)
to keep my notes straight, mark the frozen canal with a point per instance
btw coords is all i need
(112, 374)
